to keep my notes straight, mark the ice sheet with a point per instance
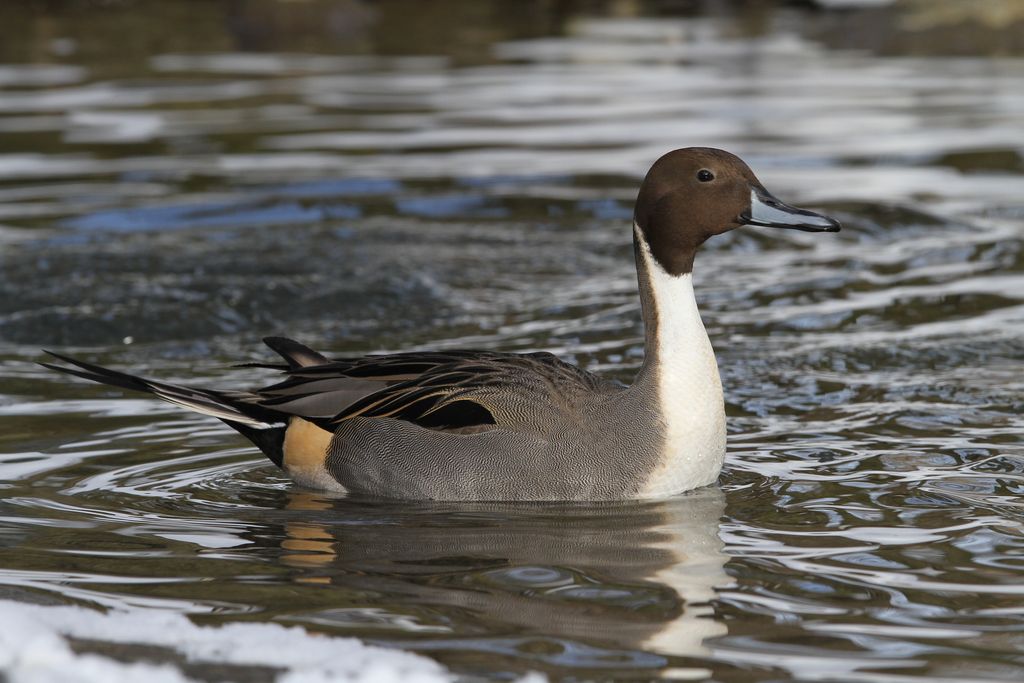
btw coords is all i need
(34, 648)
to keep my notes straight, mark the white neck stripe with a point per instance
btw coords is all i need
(689, 391)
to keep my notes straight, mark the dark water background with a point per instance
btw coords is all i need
(178, 179)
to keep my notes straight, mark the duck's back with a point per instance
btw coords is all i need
(493, 427)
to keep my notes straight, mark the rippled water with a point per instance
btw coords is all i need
(292, 168)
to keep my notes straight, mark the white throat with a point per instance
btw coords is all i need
(688, 386)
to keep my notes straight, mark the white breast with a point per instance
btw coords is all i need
(689, 388)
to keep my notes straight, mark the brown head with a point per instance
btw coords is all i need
(694, 193)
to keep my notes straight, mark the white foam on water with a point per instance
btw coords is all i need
(34, 648)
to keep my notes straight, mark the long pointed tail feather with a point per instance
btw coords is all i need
(263, 426)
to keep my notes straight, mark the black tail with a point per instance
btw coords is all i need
(263, 426)
(269, 439)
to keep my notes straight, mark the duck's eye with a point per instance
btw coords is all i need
(705, 176)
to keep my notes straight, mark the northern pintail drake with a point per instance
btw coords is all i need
(481, 425)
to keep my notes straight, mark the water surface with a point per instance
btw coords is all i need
(178, 182)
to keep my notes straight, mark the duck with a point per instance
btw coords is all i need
(470, 425)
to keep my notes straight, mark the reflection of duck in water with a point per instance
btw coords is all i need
(621, 580)
(471, 425)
